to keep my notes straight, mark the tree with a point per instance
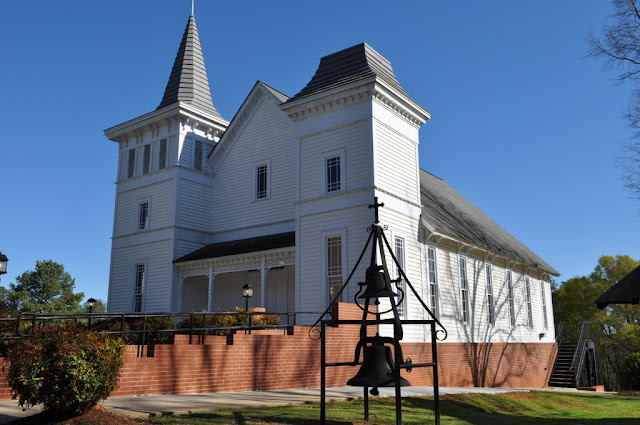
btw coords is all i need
(619, 48)
(616, 328)
(47, 289)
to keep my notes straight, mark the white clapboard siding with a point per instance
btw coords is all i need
(194, 294)
(354, 140)
(158, 269)
(265, 138)
(194, 205)
(395, 162)
(351, 222)
(161, 206)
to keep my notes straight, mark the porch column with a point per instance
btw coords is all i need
(210, 289)
(180, 291)
(263, 284)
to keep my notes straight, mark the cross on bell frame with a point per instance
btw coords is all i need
(382, 358)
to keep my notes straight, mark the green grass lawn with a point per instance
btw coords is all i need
(468, 409)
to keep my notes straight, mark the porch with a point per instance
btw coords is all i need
(212, 278)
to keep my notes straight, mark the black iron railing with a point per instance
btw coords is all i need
(144, 324)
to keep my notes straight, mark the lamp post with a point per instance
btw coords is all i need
(3, 263)
(247, 292)
(90, 303)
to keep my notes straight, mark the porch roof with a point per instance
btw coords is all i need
(241, 246)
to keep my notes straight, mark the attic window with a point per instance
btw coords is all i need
(262, 184)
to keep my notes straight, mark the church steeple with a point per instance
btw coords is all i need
(188, 82)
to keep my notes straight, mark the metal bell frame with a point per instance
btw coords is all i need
(379, 242)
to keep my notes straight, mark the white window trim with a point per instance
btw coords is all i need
(405, 302)
(324, 236)
(543, 297)
(464, 301)
(436, 311)
(148, 226)
(144, 285)
(341, 153)
(528, 301)
(491, 306)
(511, 303)
(266, 162)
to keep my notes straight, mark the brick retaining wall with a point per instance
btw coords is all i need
(273, 360)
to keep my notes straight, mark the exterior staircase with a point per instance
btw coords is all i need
(563, 375)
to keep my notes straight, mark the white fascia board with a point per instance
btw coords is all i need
(167, 112)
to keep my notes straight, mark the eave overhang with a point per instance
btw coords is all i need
(149, 121)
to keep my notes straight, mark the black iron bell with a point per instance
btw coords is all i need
(376, 286)
(376, 370)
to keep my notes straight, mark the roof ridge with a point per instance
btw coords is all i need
(188, 82)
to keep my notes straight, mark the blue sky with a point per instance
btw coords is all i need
(523, 125)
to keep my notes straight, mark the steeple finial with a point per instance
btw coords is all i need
(192, 6)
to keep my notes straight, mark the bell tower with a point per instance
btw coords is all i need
(162, 170)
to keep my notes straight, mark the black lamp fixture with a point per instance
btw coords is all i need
(247, 292)
(3, 263)
(91, 302)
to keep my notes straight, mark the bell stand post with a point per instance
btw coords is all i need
(376, 233)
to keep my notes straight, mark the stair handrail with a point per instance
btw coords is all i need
(558, 341)
(586, 334)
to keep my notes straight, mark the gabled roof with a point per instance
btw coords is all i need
(188, 82)
(347, 66)
(450, 214)
(242, 246)
(625, 291)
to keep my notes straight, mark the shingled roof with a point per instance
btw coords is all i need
(625, 291)
(347, 66)
(188, 82)
(452, 215)
(242, 246)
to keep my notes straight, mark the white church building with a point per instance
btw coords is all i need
(278, 198)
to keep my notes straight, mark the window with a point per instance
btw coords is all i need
(131, 165)
(146, 159)
(433, 283)
(512, 306)
(138, 290)
(333, 177)
(527, 286)
(489, 279)
(262, 181)
(464, 289)
(143, 215)
(544, 304)
(162, 157)
(334, 265)
(197, 156)
(399, 248)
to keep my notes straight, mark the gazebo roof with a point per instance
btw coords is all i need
(625, 291)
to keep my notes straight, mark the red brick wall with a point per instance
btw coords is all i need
(272, 360)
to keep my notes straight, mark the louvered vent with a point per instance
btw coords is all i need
(146, 159)
(162, 160)
(197, 156)
(131, 167)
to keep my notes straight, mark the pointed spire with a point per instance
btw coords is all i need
(188, 82)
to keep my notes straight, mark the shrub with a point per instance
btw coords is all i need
(138, 324)
(65, 367)
(227, 320)
(630, 372)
